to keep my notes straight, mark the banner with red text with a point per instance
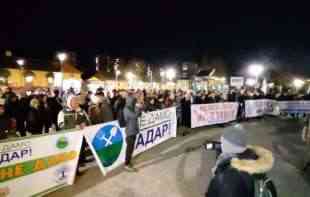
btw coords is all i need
(210, 114)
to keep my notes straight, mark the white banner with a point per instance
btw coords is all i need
(209, 114)
(155, 128)
(108, 141)
(38, 165)
(237, 82)
(295, 106)
(260, 107)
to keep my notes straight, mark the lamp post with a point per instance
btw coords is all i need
(62, 58)
(256, 70)
(170, 74)
(21, 63)
(117, 74)
(130, 77)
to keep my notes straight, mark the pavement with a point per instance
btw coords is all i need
(181, 168)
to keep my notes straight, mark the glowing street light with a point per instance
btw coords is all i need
(62, 57)
(170, 74)
(29, 79)
(50, 80)
(298, 83)
(20, 62)
(256, 70)
(130, 76)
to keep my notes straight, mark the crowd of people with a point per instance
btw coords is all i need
(44, 111)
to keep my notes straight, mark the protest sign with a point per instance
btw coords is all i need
(37, 165)
(210, 114)
(108, 141)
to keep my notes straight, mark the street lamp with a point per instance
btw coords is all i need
(256, 70)
(62, 57)
(29, 78)
(170, 74)
(130, 76)
(20, 62)
(298, 83)
(117, 74)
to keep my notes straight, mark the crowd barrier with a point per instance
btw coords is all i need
(220, 113)
(210, 114)
(256, 108)
(38, 165)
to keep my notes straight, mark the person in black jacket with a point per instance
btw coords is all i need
(55, 104)
(34, 118)
(4, 121)
(235, 167)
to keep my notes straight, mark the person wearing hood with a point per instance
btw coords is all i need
(236, 166)
(132, 129)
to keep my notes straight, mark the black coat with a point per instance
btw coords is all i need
(186, 113)
(234, 176)
(34, 121)
(4, 125)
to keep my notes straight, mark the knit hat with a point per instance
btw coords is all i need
(234, 140)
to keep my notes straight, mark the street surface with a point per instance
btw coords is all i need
(180, 168)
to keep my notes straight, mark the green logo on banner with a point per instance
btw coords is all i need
(62, 143)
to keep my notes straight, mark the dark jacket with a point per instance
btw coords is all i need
(34, 121)
(131, 117)
(4, 125)
(55, 105)
(118, 107)
(234, 176)
(186, 113)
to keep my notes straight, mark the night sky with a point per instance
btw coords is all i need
(276, 34)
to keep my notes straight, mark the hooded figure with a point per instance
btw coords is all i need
(236, 166)
(130, 116)
(132, 129)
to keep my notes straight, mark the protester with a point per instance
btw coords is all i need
(100, 111)
(35, 118)
(55, 104)
(118, 108)
(4, 120)
(236, 166)
(132, 129)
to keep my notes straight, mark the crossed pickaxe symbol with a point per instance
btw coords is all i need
(109, 139)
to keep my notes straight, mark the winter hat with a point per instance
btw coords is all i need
(234, 140)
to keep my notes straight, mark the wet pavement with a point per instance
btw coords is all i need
(181, 168)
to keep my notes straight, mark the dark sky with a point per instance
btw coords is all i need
(165, 31)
